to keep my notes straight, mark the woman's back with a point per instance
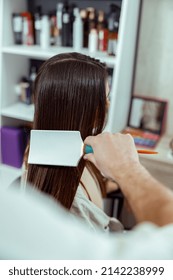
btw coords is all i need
(70, 94)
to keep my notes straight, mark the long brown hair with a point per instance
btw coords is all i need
(70, 94)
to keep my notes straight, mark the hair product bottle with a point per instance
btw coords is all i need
(92, 21)
(112, 38)
(101, 22)
(27, 29)
(66, 27)
(17, 28)
(37, 24)
(89, 24)
(93, 40)
(113, 25)
(72, 8)
(59, 9)
(83, 14)
(102, 31)
(45, 32)
(77, 30)
(53, 29)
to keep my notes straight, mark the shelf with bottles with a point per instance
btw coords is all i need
(68, 28)
(14, 62)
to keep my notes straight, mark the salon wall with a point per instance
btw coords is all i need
(154, 68)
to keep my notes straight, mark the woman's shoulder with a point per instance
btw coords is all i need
(95, 217)
(90, 186)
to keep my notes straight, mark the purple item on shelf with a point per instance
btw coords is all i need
(13, 143)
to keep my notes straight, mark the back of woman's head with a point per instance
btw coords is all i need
(70, 94)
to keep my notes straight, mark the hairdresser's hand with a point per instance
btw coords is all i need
(114, 155)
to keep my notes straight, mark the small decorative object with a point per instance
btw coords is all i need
(13, 144)
(147, 120)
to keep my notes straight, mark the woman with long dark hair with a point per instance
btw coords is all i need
(71, 93)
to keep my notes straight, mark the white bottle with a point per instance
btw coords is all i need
(77, 30)
(45, 32)
(93, 41)
(59, 9)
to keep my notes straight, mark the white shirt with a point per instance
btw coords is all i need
(34, 226)
(93, 216)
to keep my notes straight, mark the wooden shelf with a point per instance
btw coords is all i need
(39, 53)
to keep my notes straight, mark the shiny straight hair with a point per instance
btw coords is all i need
(69, 94)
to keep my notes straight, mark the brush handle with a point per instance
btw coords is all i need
(88, 149)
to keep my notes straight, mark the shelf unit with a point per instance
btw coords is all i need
(14, 62)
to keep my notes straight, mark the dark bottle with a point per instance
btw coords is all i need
(112, 38)
(72, 8)
(113, 25)
(17, 28)
(114, 16)
(37, 24)
(92, 20)
(66, 27)
(101, 21)
(83, 14)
